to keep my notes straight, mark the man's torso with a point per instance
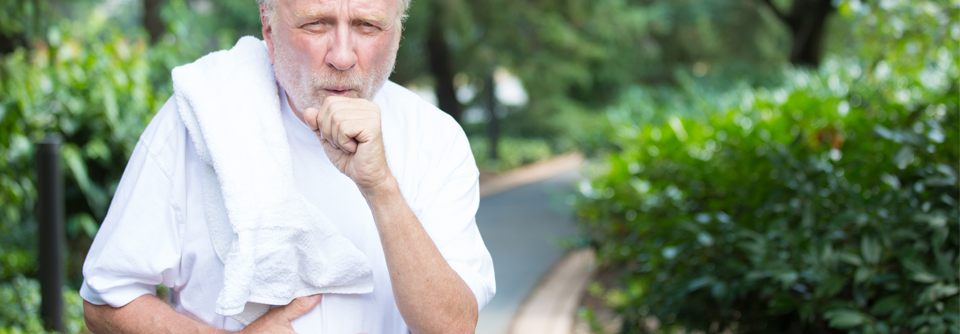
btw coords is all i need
(425, 152)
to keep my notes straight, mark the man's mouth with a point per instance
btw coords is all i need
(339, 91)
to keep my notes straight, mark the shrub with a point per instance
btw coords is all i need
(97, 97)
(97, 88)
(818, 207)
(827, 205)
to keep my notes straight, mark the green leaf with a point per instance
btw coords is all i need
(700, 282)
(903, 157)
(862, 274)
(830, 287)
(936, 292)
(844, 319)
(705, 239)
(886, 305)
(756, 275)
(918, 272)
(82, 222)
(870, 249)
(923, 277)
(883, 132)
(850, 258)
(74, 162)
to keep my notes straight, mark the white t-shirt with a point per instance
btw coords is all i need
(155, 231)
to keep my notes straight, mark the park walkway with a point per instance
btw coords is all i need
(522, 225)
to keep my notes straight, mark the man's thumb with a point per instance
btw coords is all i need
(301, 306)
(310, 116)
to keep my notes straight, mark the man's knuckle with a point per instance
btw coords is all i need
(336, 117)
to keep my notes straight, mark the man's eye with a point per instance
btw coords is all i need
(314, 23)
(367, 24)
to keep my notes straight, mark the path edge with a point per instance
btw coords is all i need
(492, 184)
(551, 306)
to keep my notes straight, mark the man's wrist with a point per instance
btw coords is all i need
(381, 191)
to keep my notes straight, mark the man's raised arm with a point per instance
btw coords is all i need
(430, 295)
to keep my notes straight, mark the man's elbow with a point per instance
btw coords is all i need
(450, 321)
(465, 322)
(92, 315)
(470, 324)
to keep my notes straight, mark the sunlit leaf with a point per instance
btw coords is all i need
(845, 318)
(870, 249)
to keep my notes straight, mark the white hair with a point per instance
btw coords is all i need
(272, 8)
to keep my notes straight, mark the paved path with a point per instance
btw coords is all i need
(522, 228)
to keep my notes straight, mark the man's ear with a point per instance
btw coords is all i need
(267, 30)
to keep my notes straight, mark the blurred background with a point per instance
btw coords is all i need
(753, 166)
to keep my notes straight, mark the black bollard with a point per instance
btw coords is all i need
(50, 232)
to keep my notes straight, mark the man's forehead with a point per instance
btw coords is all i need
(316, 8)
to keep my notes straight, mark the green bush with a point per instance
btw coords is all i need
(97, 88)
(96, 95)
(20, 304)
(827, 205)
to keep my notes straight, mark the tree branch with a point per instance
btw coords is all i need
(777, 12)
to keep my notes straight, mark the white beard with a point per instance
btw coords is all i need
(305, 88)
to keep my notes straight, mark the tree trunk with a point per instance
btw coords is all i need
(9, 43)
(810, 19)
(151, 19)
(441, 68)
(806, 21)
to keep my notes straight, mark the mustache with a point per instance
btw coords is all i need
(339, 79)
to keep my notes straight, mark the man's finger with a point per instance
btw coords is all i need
(344, 135)
(325, 119)
(335, 155)
(301, 306)
(310, 116)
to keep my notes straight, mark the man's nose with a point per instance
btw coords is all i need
(342, 54)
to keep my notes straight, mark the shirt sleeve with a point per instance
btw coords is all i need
(447, 201)
(138, 244)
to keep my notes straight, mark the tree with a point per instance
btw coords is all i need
(152, 21)
(806, 21)
(440, 64)
(19, 21)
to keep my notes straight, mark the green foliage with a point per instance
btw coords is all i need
(513, 153)
(97, 89)
(575, 57)
(777, 220)
(829, 204)
(98, 99)
(96, 95)
(20, 308)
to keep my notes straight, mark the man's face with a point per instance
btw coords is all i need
(322, 48)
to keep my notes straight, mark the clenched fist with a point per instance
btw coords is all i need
(349, 130)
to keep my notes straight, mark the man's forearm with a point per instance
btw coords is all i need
(431, 296)
(146, 314)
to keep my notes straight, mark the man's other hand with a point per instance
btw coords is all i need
(278, 320)
(349, 130)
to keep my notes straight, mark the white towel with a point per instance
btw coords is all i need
(275, 245)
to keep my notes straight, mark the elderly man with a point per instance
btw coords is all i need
(394, 175)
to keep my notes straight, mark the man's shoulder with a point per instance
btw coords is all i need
(423, 133)
(411, 113)
(165, 135)
(409, 106)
